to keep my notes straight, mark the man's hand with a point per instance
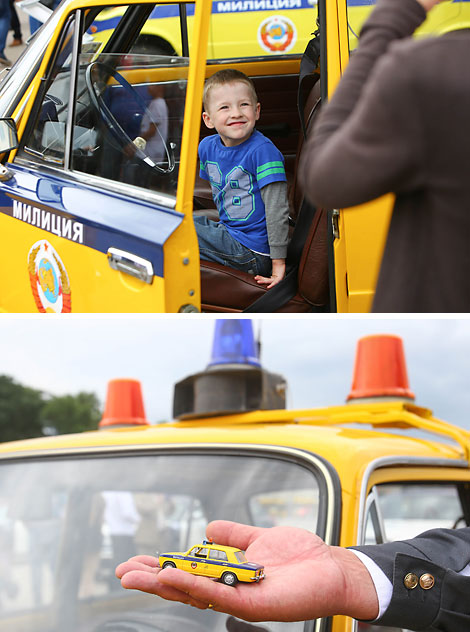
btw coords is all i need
(305, 578)
(277, 274)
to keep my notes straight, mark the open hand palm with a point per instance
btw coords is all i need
(298, 567)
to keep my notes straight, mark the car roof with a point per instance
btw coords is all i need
(348, 436)
(214, 545)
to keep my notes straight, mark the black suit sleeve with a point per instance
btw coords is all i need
(440, 600)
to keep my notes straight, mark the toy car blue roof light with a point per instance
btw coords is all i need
(233, 382)
(234, 343)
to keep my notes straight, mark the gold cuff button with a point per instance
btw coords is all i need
(426, 581)
(410, 581)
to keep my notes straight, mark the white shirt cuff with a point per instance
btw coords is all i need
(383, 586)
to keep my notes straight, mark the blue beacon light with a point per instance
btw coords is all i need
(233, 382)
(234, 343)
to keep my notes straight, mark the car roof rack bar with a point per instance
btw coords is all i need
(399, 415)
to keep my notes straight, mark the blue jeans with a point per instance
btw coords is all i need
(217, 244)
(5, 17)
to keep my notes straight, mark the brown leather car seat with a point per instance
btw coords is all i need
(225, 289)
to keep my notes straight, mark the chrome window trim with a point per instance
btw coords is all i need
(69, 126)
(105, 186)
(372, 500)
(396, 460)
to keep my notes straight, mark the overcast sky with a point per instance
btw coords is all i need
(62, 355)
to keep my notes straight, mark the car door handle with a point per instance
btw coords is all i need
(130, 264)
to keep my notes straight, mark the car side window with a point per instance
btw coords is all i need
(201, 552)
(410, 509)
(116, 109)
(51, 112)
(398, 511)
(215, 554)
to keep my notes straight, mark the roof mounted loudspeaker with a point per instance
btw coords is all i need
(380, 370)
(124, 405)
(233, 382)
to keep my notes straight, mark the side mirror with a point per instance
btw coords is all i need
(8, 135)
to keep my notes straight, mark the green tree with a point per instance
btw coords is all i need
(20, 410)
(71, 413)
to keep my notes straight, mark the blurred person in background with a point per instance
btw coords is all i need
(15, 26)
(398, 123)
(5, 19)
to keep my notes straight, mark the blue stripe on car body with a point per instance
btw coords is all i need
(108, 219)
(249, 566)
(218, 7)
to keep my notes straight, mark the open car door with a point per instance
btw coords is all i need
(359, 233)
(93, 201)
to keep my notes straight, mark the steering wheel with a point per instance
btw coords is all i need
(94, 84)
(460, 521)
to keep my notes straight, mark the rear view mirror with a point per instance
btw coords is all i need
(8, 135)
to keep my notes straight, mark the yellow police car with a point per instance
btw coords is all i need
(73, 507)
(90, 221)
(238, 29)
(214, 560)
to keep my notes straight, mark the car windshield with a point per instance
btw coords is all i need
(241, 559)
(65, 523)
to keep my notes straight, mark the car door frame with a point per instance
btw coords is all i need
(356, 235)
(179, 286)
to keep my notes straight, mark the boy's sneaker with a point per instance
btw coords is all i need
(4, 61)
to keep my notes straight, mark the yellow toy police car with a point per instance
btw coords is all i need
(214, 560)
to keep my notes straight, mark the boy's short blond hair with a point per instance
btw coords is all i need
(222, 77)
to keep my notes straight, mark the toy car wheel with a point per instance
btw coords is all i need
(230, 579)
(169, 565)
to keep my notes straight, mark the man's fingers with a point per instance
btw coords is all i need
(149, 560)
(140, 562)
(150, 583)
(200, 588)
(233, 533)
(204, 590)
(200, 592)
